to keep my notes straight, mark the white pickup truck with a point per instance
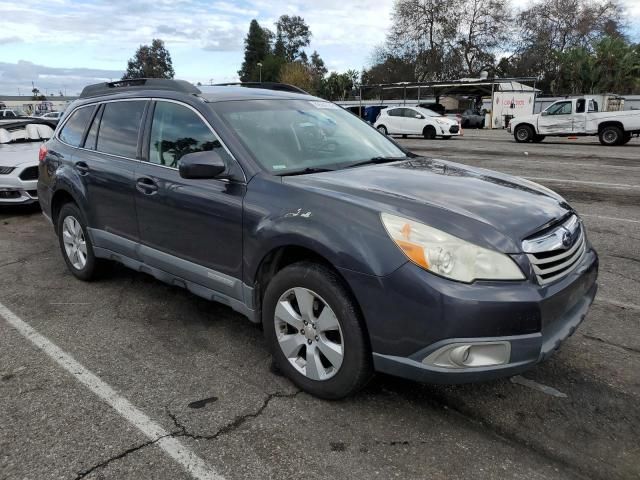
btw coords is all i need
(577, 117)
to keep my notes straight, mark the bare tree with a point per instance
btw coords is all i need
(426, 30)
(484, 30)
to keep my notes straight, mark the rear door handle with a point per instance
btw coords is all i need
(146, 186)
(83, 168)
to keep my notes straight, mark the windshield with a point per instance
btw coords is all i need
(301, 135)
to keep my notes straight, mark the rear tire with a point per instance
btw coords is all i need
(340, 332)
(75, 243)
(523, 134)
(382, 129)
(429, 132)
(611, 136)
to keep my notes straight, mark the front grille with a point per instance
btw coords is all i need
(454, 129)
(6, 170)
(555, 254)
(29, 173)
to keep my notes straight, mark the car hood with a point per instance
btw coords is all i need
(14, 154)
(485, 207)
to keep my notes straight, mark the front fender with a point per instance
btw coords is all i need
(349, 236)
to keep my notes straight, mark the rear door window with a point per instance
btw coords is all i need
(119, 128)
(74, 128)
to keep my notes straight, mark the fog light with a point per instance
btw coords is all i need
(470, 355)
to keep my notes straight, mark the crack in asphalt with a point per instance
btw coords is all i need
(24, 259)
(237, 422)
(624, 257)
(123, 454)
(606, 342)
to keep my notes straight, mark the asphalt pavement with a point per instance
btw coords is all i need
(106, 357)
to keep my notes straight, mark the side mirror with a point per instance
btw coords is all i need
(419, 116)
(544, 114)
(201, 165)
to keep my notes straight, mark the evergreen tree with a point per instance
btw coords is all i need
(150, 62)
(292, 34)
(256, 49)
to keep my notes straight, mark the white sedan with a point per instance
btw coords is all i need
(416, 121)
(19, 173)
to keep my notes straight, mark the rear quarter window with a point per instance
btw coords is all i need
(74, 128)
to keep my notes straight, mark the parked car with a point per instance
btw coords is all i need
(51, 115)
(435, 107)
(355, 255)
(416, 121)
(472, 119)
(19, 173)
(577, 117)
(11, 114)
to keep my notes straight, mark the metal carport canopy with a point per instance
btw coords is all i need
(480, 87)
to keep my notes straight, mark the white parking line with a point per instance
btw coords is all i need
(582, 182)
(604, 217)
(173, 447)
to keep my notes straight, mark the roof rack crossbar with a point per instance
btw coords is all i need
(282, 87)
(129, 84)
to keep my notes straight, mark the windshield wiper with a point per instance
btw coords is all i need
(375, 160)
(304, 171)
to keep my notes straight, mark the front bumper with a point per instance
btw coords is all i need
(419, 313)
(16, 191)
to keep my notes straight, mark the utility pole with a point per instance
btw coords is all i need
(260, 67)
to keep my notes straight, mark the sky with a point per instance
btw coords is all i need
(63, 45)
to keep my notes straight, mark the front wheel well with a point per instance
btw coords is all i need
(533, 129)
(281, 257)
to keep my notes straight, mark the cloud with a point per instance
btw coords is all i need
(13, 39)
(204, 37)
(17, 77)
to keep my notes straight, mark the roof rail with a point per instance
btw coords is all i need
(282, 87)
(126, 85)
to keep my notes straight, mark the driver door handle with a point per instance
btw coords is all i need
(146, 186)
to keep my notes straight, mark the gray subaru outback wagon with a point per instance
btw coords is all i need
(355, 255)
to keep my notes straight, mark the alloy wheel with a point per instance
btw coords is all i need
(523, 134)
(75, 245)
(309, 334)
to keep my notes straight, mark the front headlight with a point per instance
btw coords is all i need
(441, 121)
(446, 255)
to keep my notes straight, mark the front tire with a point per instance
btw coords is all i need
(75, 243)
(429, 132)
(611, 136)
(315, 331)
(523, 134)
(382, 129)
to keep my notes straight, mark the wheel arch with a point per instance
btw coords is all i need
(610, 123)
(59, 198)
(284, 255)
